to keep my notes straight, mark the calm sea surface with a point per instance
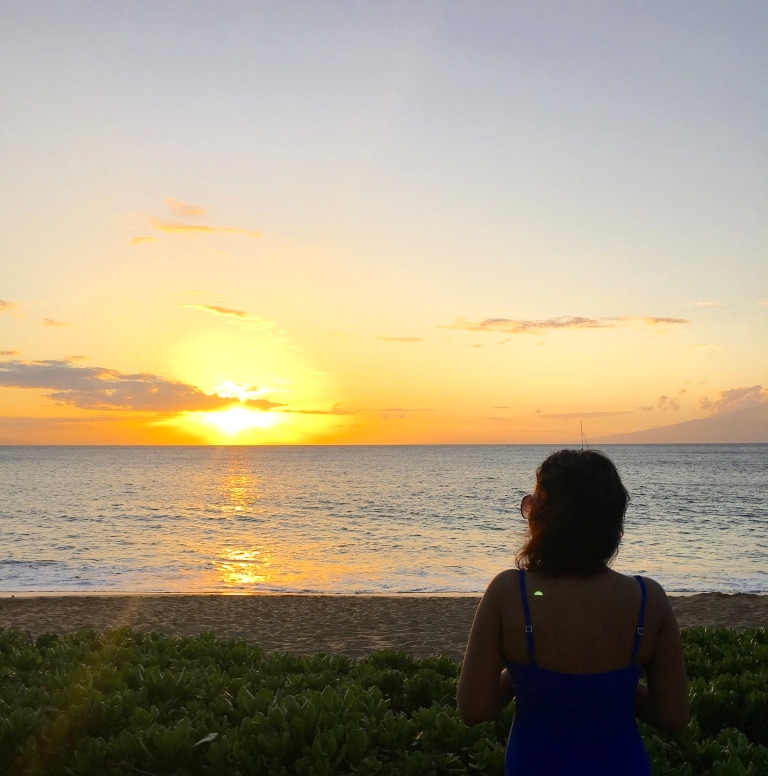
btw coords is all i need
(355, 519)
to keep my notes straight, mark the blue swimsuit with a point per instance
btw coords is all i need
(575, 724)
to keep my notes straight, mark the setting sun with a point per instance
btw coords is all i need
(236, 419)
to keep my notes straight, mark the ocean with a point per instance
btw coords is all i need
(355, 520)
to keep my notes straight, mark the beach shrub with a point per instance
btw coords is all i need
(124, 702)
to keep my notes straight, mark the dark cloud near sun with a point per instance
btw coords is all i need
(9, 352)
(51, 322)
(522, 326)
(107, 389)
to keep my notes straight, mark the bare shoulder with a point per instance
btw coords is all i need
(657, 600)
(500, 587)
(655, 594)
(654, 588)
(660, 620)
(504, 579)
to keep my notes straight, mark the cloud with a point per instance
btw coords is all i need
(51, 322)
(239, 317)
(580, 415)
(657, 321)
(521, 326)
(401, 339)
(667, 403)
(100, 388)
(182, 208)
(402, 409)
(336, 409)
(12, 308)
(9, 352)
(736, 399)
(172, 227)
(709, 304)
(142, 239)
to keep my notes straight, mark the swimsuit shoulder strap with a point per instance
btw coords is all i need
(527, 613)
(640, 621)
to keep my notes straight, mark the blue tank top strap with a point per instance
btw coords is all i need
(640, 621)
(527, 613)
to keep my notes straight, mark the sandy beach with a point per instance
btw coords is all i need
(306, 624)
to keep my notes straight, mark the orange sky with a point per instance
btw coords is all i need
(416, 223)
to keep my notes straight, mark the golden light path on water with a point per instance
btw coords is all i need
(347, 520)
(282, 564)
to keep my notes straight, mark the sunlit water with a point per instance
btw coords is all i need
(354, 519)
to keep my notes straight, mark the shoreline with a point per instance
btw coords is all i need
(421, 624)
(297, 593)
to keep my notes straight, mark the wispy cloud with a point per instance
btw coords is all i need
(709, 304)
(656, 321)
(579, 415)
(175, 227)
(9, 352)
(51, 322)
(336, 409)
(735, 399)
(182, 208)
(402, 409)
(523, 326)
(401, 339)
(239, 317)
(98, 388)
(142, 239)
(12, 308)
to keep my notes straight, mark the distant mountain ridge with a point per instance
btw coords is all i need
(743, 426)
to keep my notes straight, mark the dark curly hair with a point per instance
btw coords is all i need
(577, 515)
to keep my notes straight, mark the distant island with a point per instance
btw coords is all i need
(743, 426)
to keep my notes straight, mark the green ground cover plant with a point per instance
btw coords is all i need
(128, 703)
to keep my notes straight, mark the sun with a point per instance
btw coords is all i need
(236, 419)
(233, 425)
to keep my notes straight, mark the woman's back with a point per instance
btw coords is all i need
(581, 625)
(577, 721)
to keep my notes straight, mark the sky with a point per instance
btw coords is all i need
(379, 223)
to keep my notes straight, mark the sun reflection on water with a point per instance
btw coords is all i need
(243, 567)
